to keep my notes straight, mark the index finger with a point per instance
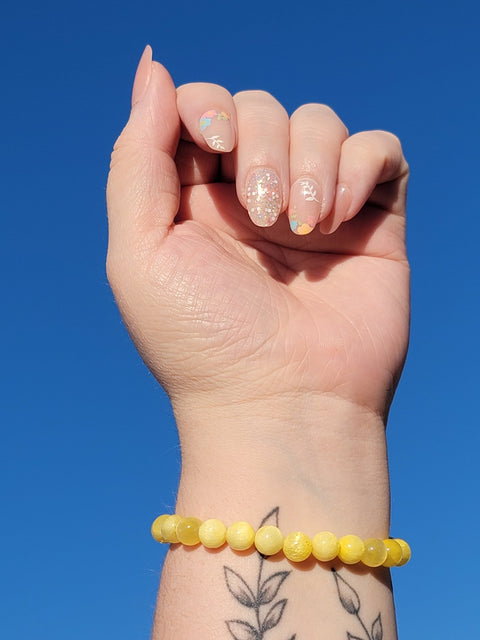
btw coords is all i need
(208, 115)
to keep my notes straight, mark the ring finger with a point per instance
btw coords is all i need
(316, 137)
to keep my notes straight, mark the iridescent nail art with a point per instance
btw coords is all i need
(263, 197)
(212, 114)
(301, 228)
(222, 136)
(305, 207)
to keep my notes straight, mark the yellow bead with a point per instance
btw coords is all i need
(187, 531)
(240, 536)
(169, 528)
(325, 546)
(406, 551)
(157, 528)
(394, 553)
(351, 549)
(212, 533)
(297, 546)
(375, 552)
(268, 540)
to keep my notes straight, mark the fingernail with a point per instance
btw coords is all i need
(305, 206)
(142, 76)
(264, 196)
(216, 128)
(343, 200)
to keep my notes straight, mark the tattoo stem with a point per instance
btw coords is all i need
(363, 626)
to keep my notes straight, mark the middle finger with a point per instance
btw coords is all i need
(262, 156)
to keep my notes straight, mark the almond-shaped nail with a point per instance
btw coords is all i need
(216, 129)
(343, 200)
(263, 196)
(305, 206)
(142, 76)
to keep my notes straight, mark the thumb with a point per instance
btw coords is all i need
(143, 187)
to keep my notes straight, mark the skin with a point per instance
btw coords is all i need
(280, 353)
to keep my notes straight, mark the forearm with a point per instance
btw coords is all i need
(324, 469)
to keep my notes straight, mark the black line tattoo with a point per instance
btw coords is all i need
(265, 591)
(351, 603)
(257, 597)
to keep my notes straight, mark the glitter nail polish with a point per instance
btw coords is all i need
(264, 196)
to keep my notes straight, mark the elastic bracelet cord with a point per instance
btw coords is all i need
(268, 540)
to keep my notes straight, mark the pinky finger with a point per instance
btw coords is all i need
(368, 159)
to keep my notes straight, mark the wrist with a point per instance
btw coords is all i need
(323, 462)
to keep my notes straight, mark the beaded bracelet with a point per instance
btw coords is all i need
(268, 540)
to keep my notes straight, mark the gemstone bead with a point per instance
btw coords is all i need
(212, 533)
(157, 528)
(325, 546)
(406, 551)
(187, 531)
(297, 546)
(351, 549)
(240, 536)
(169, 528)
(268, 540)
(394, 553)
(375, 552)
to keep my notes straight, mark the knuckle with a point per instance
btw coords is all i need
(253, 94)
(320, 116)
(314, 108)
(257, 100)
(390, 139)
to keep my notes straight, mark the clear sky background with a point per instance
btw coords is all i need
(88, 453)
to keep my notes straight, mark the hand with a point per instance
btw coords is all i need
(226, 312)
(279, 334)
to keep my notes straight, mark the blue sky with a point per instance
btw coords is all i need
(89, 453)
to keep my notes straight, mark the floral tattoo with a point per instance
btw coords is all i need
(351, 603)
(265, 610)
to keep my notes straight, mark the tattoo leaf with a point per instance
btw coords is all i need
(347, 594)
(273, 616)
(350, 637)
(271, 518)
(242, 630)
(377, 629)
(239, 588)
(257, 597)
(270, 587)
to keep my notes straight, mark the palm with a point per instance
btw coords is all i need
(274, 311)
